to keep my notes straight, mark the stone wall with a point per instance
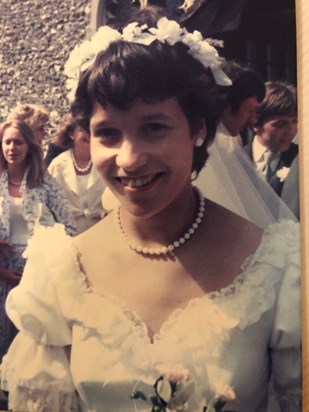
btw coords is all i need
(36, 37)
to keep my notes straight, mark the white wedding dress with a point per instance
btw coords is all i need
(77, 350)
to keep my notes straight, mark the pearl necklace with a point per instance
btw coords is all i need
(16, 184)
(169, 248)
(81, 169)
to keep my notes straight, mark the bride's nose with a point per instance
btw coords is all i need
(131, 155)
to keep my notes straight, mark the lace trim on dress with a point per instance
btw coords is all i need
(42, 400)
(277, 249)
(116, 325)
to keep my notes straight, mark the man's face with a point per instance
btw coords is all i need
(277, 133)
(244, 117)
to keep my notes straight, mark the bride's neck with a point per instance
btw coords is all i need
(165, 226)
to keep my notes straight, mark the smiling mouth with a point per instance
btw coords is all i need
(138, 182)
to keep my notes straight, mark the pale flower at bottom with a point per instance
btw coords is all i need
(174, 388)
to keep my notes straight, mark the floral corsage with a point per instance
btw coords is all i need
(173, 389)
(282, 173)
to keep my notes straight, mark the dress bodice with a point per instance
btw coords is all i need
(233, 337)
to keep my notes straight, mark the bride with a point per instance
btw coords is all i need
(171, 293)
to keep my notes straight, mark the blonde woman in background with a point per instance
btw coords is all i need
(34, 115)
(27, 196)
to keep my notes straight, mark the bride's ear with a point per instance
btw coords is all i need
(200, 136)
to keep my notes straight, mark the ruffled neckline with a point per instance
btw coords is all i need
(236, 303)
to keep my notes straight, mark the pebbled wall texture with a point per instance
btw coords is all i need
(36, 37)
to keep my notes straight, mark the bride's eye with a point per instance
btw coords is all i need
(155, 129)
(108, 135)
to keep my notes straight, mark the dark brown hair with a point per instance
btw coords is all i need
(128, 71)
(67, 126)
(246, 83)
(280, 100)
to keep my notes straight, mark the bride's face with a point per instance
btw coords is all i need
(144, 154)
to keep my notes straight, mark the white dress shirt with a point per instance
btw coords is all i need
(264, 159)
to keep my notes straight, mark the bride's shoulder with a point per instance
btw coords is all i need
(230, 226)
(101, 235)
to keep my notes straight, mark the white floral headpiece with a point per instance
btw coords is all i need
(167, 31)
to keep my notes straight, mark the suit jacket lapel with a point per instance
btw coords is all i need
(285, 160)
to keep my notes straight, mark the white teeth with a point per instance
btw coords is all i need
(141, 181)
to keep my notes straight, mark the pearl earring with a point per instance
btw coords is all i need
(199, 141)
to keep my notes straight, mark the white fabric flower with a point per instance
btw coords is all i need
(206, 54)
(79, 55)
(131, 31)
(283, 173)
(192, 40)
(135, 34)
(168, 30)
(103, 38)
(215, 42)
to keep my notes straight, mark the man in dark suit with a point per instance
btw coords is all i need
(242, 98)
(290, 191)
(272, 149)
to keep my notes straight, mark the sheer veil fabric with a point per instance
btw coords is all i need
(230, 179)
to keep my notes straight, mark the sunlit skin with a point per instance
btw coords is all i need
(277, 133)
(39, 133)
(80, 137)
(81, 148)
(244, 117)
(14, 148)
(144, 154)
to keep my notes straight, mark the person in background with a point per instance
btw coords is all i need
(272, 149)
(243, 96)
(6, 249)
(290, 190)
(74, 171)
(53, 151)
(27, 196)
(170, 295)
(229, 177)
(34, 115)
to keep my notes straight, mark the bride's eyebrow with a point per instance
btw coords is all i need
(147, 118)
(101, 123)
(156, 117)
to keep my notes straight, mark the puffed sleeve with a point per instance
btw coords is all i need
(58, 204)
(36, 369)
(285, 341)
